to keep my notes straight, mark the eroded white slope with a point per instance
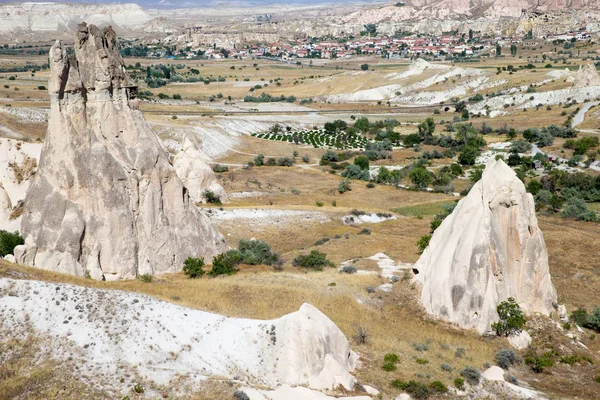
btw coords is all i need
(109, 332)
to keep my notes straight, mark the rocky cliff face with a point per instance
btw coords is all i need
(490, 248)
(106, 201)
(586, 76)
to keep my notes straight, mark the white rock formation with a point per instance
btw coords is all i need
(110, 334)
(489, 249)
(106, 201)
(586, 76)
(195, 173)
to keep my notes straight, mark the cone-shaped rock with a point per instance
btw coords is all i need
(490, 248)
(106, 200)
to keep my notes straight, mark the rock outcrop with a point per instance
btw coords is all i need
(196, 174)
(489, 249)
(121, 334)
(106, 201)
(586, 76)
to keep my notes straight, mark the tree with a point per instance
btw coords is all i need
(511, 317)
(426, 129)
(362, 162)
(315, 260)
(470, 34)
(370, 29)
(362, 124)
(468, 155)
(421, 177)
(8, 242)
(364, 67)
(259, 160)
(498, 50)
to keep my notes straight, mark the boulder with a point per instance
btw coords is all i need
(106, 201)
(520, 341)
(489, 249)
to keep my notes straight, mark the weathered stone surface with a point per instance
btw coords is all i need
(490, 248)
(106, 201)
(586, 76)
(196, 174)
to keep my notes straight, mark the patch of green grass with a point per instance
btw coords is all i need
(428, 209)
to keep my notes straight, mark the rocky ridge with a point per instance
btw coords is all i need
(106, 201)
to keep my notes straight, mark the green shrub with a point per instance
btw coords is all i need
(8, 242)
(540, 363)
(226, 263)
(391, 357)
(344, 186)
(423, 243)
(446, 367)
(472, 375)
(398, 384)
(388, 366)
(319, 203)
(438, 387)
(255, 252)
(315, 260)
(220, 168)
(511, 317)
(417, 390)
(364, 231)
(192, 267)
(211, 197)
(422, 361)
(259, 160)
(459, 383)
(146, 278)
(138, 389)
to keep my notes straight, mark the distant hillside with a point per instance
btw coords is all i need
(61, 18)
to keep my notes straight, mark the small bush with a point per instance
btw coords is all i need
(439, 387)
(138, 389)
(322, 241)
(460, 352)
(446, 367)
(192, 267)
(211, 197)
(370, 185)
(423, 243)
(220, 168)
(472, 375)
(506, 358)
(417, 390)
(146, 278)
(344, 186)
(388, 366)
(319, 203)
(315, 260)
(459, 383)
(8, 242)
(349, 269)
(391, 357)
(255, 252)
(398, 384)
(240, 395)
(226, 263)
(365, 231)
(361, 334)
(420, 346)
(540, 363)
(512, 379)
(422, 361)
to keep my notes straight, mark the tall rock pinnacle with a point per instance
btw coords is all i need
(489, 249)
(106, 200)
